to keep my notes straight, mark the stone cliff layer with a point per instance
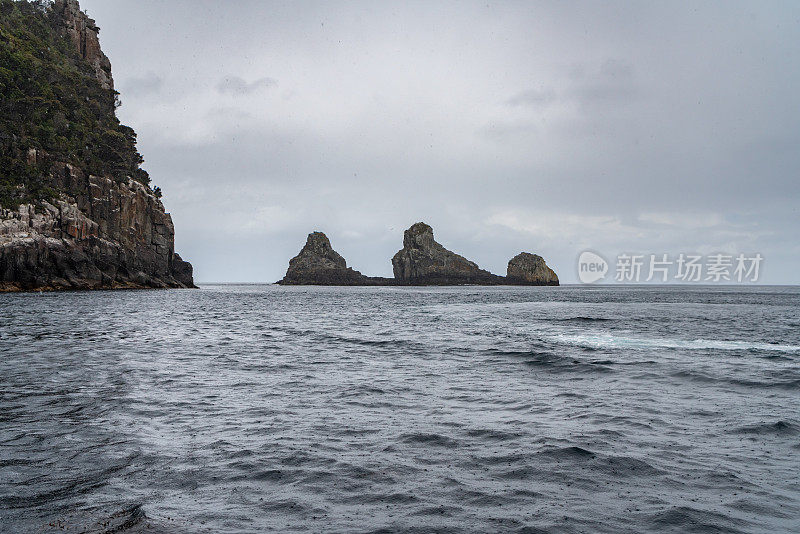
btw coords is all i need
(106, 234)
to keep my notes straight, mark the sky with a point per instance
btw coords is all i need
(546, 127)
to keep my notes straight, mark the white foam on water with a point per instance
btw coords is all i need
(605, 341)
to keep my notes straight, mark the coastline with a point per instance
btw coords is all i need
(8, 288)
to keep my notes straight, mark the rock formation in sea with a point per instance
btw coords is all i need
(423, 261)
(530, 270)
(76, 209)
(318, 264)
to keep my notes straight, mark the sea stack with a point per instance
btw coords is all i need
(423, 261)
(318, 264)
(76, 209)
(526, 269)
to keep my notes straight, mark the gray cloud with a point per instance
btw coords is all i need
(613, 82)
(533, 97)
(238, 86)
(146, 85)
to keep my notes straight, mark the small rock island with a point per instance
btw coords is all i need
(424, 262)
(421, 262)
(318, 264)
(530, 269)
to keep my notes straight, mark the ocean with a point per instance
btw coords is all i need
(259, 408)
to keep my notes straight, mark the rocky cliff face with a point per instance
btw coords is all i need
(105, 235)
(83, 32)
(423, 261)
(318, 264)
(93, 231)
(530, 270)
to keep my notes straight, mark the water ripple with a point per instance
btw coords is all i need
(297, 409)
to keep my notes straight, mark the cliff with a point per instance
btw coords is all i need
(83, 32)
(423, 261)
(106, 234)
(76, 209)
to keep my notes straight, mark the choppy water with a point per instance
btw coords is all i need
(265, 408)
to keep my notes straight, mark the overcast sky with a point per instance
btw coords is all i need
(552, 128)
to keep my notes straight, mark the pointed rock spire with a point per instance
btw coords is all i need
(423, 261)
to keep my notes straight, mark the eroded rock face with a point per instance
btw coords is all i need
(423, 261)
(83, 32)
(318, 264)
(104, 234)
(182, 271)
(530, 269)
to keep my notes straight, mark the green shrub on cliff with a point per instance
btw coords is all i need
(50, 100)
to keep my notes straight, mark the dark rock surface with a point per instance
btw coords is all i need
(423, 261)
(318, 264)
(530, 270)
(182, 271)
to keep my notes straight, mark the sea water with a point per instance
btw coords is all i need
(463, 409)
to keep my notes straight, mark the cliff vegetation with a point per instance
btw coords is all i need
(52, 100)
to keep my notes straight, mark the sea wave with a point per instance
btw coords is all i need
(611, 341)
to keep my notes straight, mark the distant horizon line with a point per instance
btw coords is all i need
(579, 284)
